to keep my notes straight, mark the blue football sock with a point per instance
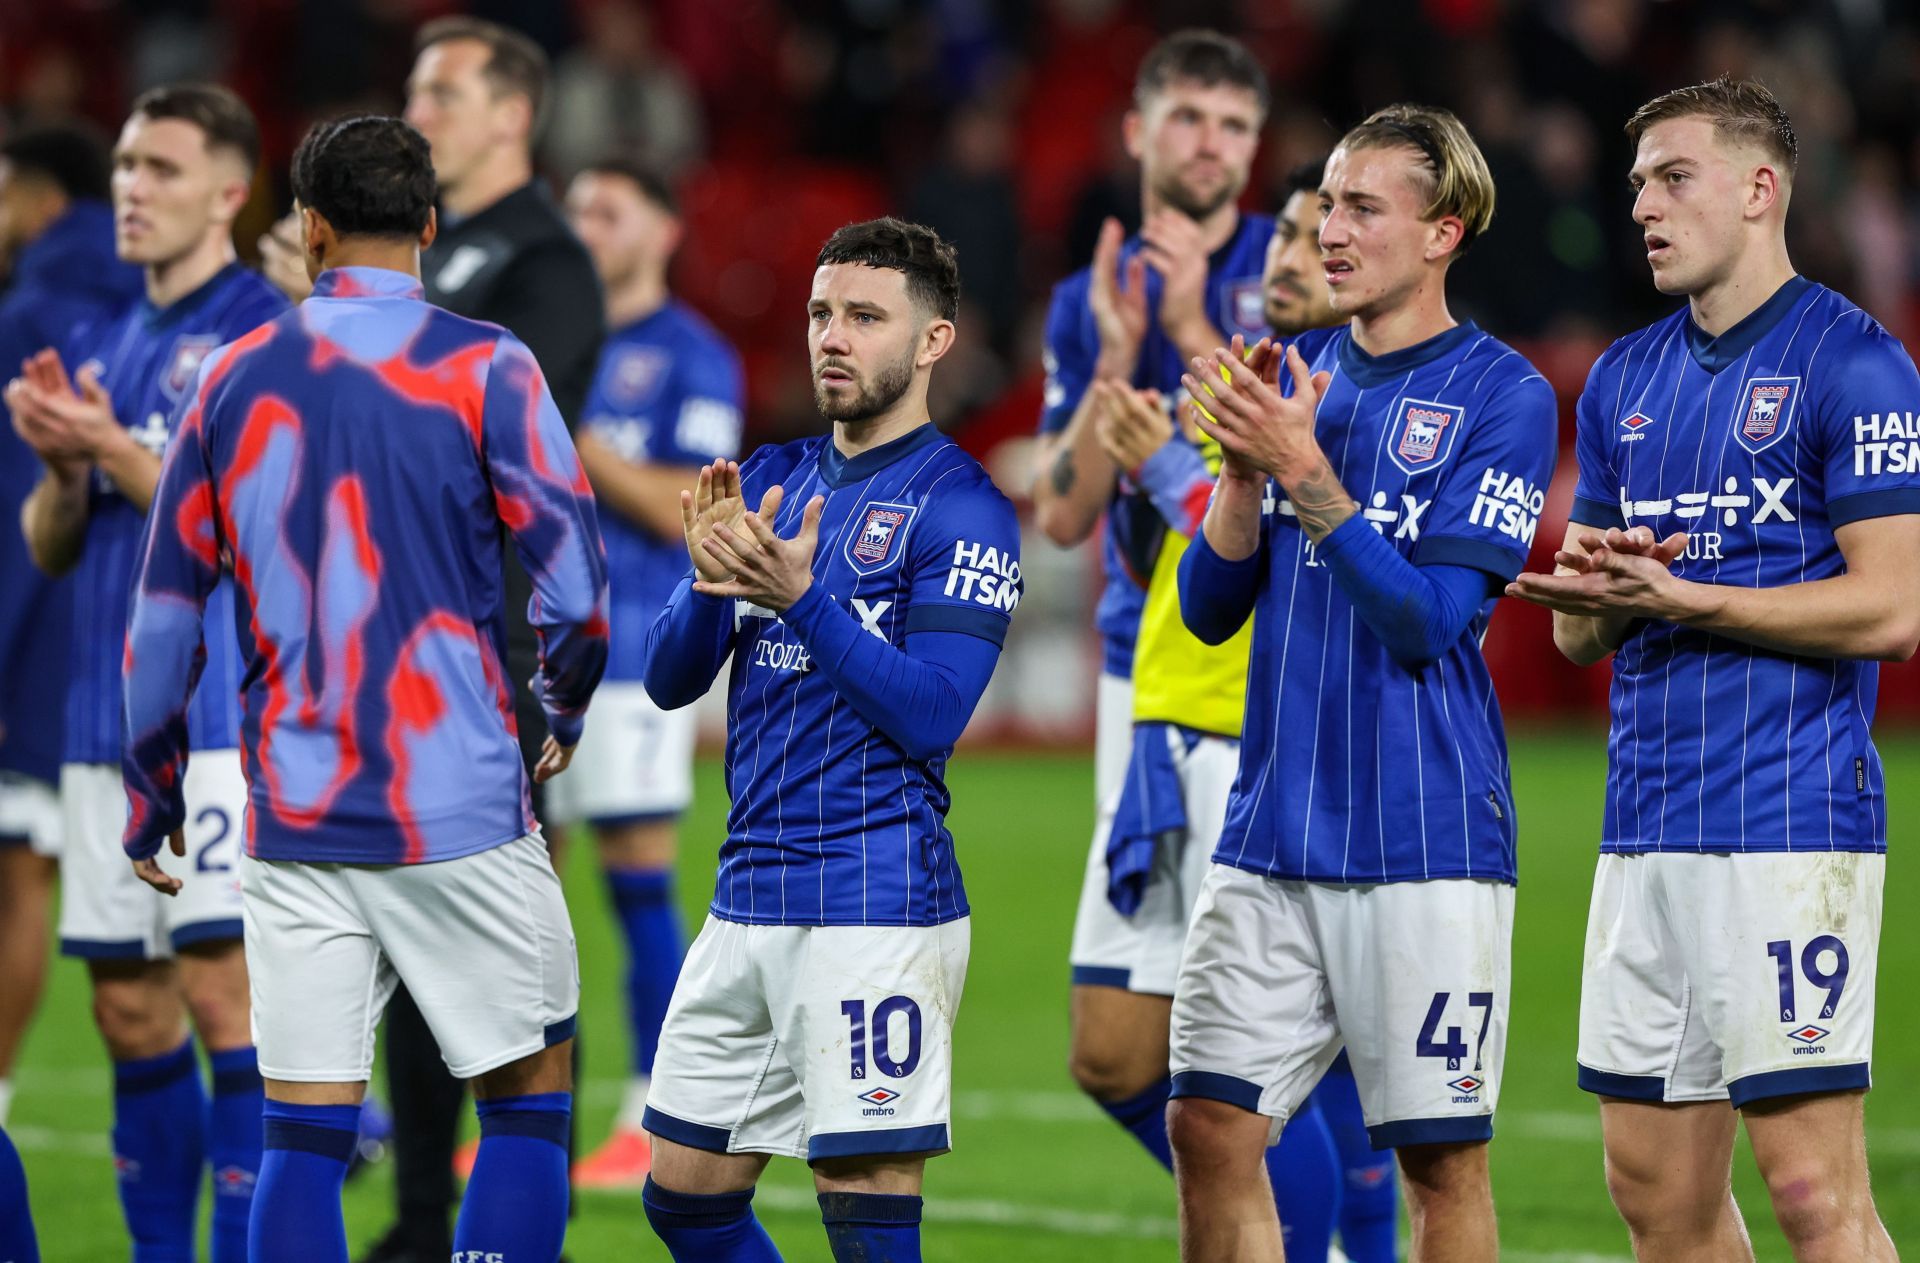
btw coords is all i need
(1370, 1203)
(1305, 1169)
(515, 1207)
(160, 1151)
(1145, 1116)
(233, 1147)
(707, 1228)
(872, 1227)
(643, 899)
(296, 1207)
(17, 1243)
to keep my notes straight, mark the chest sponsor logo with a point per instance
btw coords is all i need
(878, 536)
(1635, 427)
(635, 374)
(1246, 306)
(1403, 521)
(1420, 433)
(1886, 443)
(189, 353)
(1766, 409)
(1757, 502)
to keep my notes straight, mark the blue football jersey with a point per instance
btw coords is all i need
(1760, 444)
(668, 391)
(1354, 767)
(63, 280)
(1134, 530)
(832, 823)
(148, 357)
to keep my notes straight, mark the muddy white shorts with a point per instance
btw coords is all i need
(106, 912)
(1730, 977)
(1412, 977)
(811, 1041)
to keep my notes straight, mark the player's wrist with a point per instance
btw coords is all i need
(1116, 361)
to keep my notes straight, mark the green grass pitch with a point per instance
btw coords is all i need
(1039, 1174)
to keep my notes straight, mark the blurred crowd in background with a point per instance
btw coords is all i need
(998, 122)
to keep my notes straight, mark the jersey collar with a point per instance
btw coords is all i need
(839, 471)
(1714, 354)
(358, 282)
(155, 317)
(1376, 370)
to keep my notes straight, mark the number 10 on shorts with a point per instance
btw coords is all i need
(1454, 1047)
(858, 1041)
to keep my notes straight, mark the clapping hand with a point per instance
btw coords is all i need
(764, 569)
(715, 501)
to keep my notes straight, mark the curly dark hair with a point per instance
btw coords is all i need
(368, 176)
(932, 268)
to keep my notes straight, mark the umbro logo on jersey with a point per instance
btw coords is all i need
(876, 538)
(1766, 409)
(1635, 427)
(1420, 433)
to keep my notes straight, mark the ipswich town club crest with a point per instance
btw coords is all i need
(1422, 433)
(635, 373)
(1247, 306)
(876, 539)
(1766, 406)
(188, 354)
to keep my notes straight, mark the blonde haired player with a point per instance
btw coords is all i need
(1361, 892)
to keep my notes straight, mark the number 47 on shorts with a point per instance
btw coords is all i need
(1454, 1046)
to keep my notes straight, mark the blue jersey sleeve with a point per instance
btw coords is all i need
(1069, 353)
(543, 499)
(701, 424)
(963, 563)
(253, 309)
(1596, 492)
(1866, 418)
(178, 564)
(1487, 504)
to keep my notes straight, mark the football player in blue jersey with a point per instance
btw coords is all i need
(56, 242)
(1191, 279)
(181, 171)
(665, 402)
(1745, 542)
(863, 604)
(1362, 889)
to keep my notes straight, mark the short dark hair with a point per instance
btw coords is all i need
(1307, 177)
(653, 186)
(514, 62)
(932, 268)
(1739, 109)
(1204, 57)
(71, 156)
(218, 112)
(368, 176)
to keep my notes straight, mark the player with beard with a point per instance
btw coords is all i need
(1188, 281)
(863, 604)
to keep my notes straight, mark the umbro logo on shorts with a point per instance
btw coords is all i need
(879, 1102)
(1467, 1088)
(1809, 1037)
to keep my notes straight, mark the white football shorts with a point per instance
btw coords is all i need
(1141, 953)
(30, 813)
(483, 943)
(813, 1042)
(106, 912)
(1730, 977)
(634, 762)
(1412, 977)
